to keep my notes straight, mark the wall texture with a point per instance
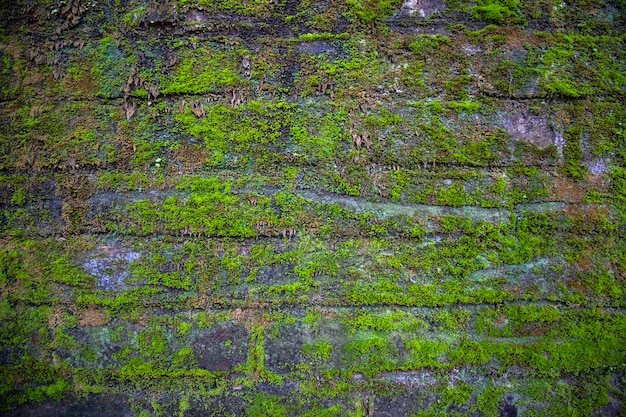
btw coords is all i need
(312, 208)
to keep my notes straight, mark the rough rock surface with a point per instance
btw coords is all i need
(312, 208)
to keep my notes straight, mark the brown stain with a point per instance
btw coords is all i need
(73, 214)
(84, 83)
(566, 190)
(57, 318)
(124, 151)
(326, 313)
(585, 262)
(93, 317)
(35, 77)
(191, 159)
(112, 251)
(252, 315)
(587, 213)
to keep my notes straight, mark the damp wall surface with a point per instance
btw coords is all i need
(312, 208)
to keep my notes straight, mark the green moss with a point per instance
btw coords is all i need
(318, 351)
(426, 354)
(371, 353)
(469, 107)
(573, 154)
(453, 319)
(417, 232)
(263, 405)
(254, 131)
(458, 87)
(108, 72)
(333, 411)
(312, 37)
(496, 11)
(562, 87)
(136, 181)
(54, 392)
(396, 320)
(255, 365)
(134, 17)
(65, 272)
(489, 401)
(359, 289)
(383, 120)
(259, 8)
(454, 196)
(458, 395)
(201, 71)
(19, 197)
(428, 43)
(318, 138)
(371, 11)
(211, 210)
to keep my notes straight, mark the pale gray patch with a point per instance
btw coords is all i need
(597, 166)
(533, 130)
(470, 49)
(411, 379)
(559, 142)
(424, 8)
(315, 48)
(109, 265)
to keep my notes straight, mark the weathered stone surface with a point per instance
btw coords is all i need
(533, 130)
(105, 405)
(222, 347)
(312, 208)
(284, 352)
(315, 48)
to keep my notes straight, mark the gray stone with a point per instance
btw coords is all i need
(222, 347)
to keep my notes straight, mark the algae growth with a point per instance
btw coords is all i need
(312, 208)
